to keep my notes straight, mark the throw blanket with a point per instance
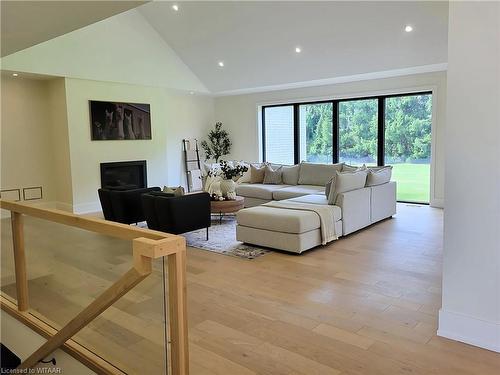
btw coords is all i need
(325, 213)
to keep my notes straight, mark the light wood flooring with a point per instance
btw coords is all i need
(366, 304)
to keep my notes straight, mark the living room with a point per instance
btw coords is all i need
(348, 137)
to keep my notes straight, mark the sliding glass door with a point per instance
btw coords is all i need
(358, 137)
(316, 138)
(407, 148)
(383, 130)
(278, 134)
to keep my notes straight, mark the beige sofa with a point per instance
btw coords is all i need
(297, 231)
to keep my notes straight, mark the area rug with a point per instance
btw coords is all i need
(222, 240)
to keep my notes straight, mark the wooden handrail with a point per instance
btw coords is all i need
(97, 225)
(147, 245)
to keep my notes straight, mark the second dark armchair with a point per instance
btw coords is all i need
(177, 215)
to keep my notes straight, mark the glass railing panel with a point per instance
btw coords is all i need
(8, 277)
(68, 268)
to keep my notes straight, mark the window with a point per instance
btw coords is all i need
(358, 128)
(278, 134)
(408, 144)
(387, 129)
(316, 139)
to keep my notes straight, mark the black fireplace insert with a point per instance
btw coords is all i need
(124, 175)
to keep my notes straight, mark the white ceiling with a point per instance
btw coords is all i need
(27, 23)
(256, 40)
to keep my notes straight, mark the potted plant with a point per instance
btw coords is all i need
(218, 143)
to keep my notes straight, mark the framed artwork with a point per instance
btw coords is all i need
(119, 121)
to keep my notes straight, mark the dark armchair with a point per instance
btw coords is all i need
(123, 206)
(167, 213)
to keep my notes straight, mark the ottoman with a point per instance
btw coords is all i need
(289, 230)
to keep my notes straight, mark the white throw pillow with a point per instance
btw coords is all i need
(345, 168)
(378, 176)
(347, 181)
(349, 168)
(246, 177)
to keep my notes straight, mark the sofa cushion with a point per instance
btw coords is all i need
(278, 219)
(291, 174)
(318, 199)
(347, 181)
(258, 190)
(297, 191)
(378, 176)
(317, 174)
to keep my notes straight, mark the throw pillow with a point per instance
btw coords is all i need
(291, 174)
(378, 176)
(317, 174)
(257, 174)
(176, 191)
(331, 184)
(347, 181)
(348, 168)
(272, 177)
(245, 177)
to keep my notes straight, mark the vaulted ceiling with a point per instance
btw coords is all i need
(256, 41)
(27, 23)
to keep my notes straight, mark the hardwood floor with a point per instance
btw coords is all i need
(366, 304)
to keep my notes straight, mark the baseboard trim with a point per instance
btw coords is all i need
(470, 330)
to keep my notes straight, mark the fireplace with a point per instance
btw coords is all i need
(124, 175)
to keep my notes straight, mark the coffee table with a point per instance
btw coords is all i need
(227, 207)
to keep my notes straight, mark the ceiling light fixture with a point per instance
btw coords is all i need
(221, 64)
(191, 92)
(14, 74)
(408, 28)
(298, 49)
(175, 7)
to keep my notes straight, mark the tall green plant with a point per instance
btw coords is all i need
(218, 143)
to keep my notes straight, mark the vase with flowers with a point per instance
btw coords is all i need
(229, 173)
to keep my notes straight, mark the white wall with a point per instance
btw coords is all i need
(240, 114)
(121, 58)
(471, 263)
(26, 152)
(60, 144)
(174, 116)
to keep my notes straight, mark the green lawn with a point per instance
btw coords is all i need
(413, 181)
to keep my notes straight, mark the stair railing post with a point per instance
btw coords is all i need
(20, 260)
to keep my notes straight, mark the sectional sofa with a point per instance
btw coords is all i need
(299, 230)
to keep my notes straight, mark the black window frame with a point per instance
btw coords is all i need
(381, 102)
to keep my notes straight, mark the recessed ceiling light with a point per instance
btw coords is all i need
(14, 74)
(191, 92)
(175, 7)
(408, 28)
(221, 64)
(298, 49)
